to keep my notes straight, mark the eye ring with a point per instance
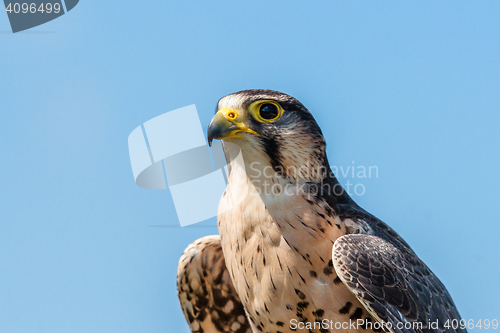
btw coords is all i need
(265, 110)
(269, 111)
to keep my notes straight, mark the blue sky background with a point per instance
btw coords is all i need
(409, 87)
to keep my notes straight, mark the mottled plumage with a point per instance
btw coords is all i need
(296, 253)
(206, 293)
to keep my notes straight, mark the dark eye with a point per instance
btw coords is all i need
(268, 111)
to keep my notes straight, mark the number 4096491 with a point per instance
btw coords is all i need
(32, 8)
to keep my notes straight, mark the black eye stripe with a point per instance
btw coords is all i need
(268, 111)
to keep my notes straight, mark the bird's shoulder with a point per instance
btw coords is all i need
(206, 292)
(388, 278)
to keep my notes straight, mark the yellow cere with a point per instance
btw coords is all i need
(234, 117)
(230, 114)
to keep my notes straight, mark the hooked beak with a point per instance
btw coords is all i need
(226, 124)
(220, 127)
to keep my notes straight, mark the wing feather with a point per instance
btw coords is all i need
(206, 293)
(393, 284)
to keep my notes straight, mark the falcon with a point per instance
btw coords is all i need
(294, 252)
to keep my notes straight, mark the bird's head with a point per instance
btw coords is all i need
(274, 129)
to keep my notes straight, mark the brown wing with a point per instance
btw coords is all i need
(206, 293)
(394, 285)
